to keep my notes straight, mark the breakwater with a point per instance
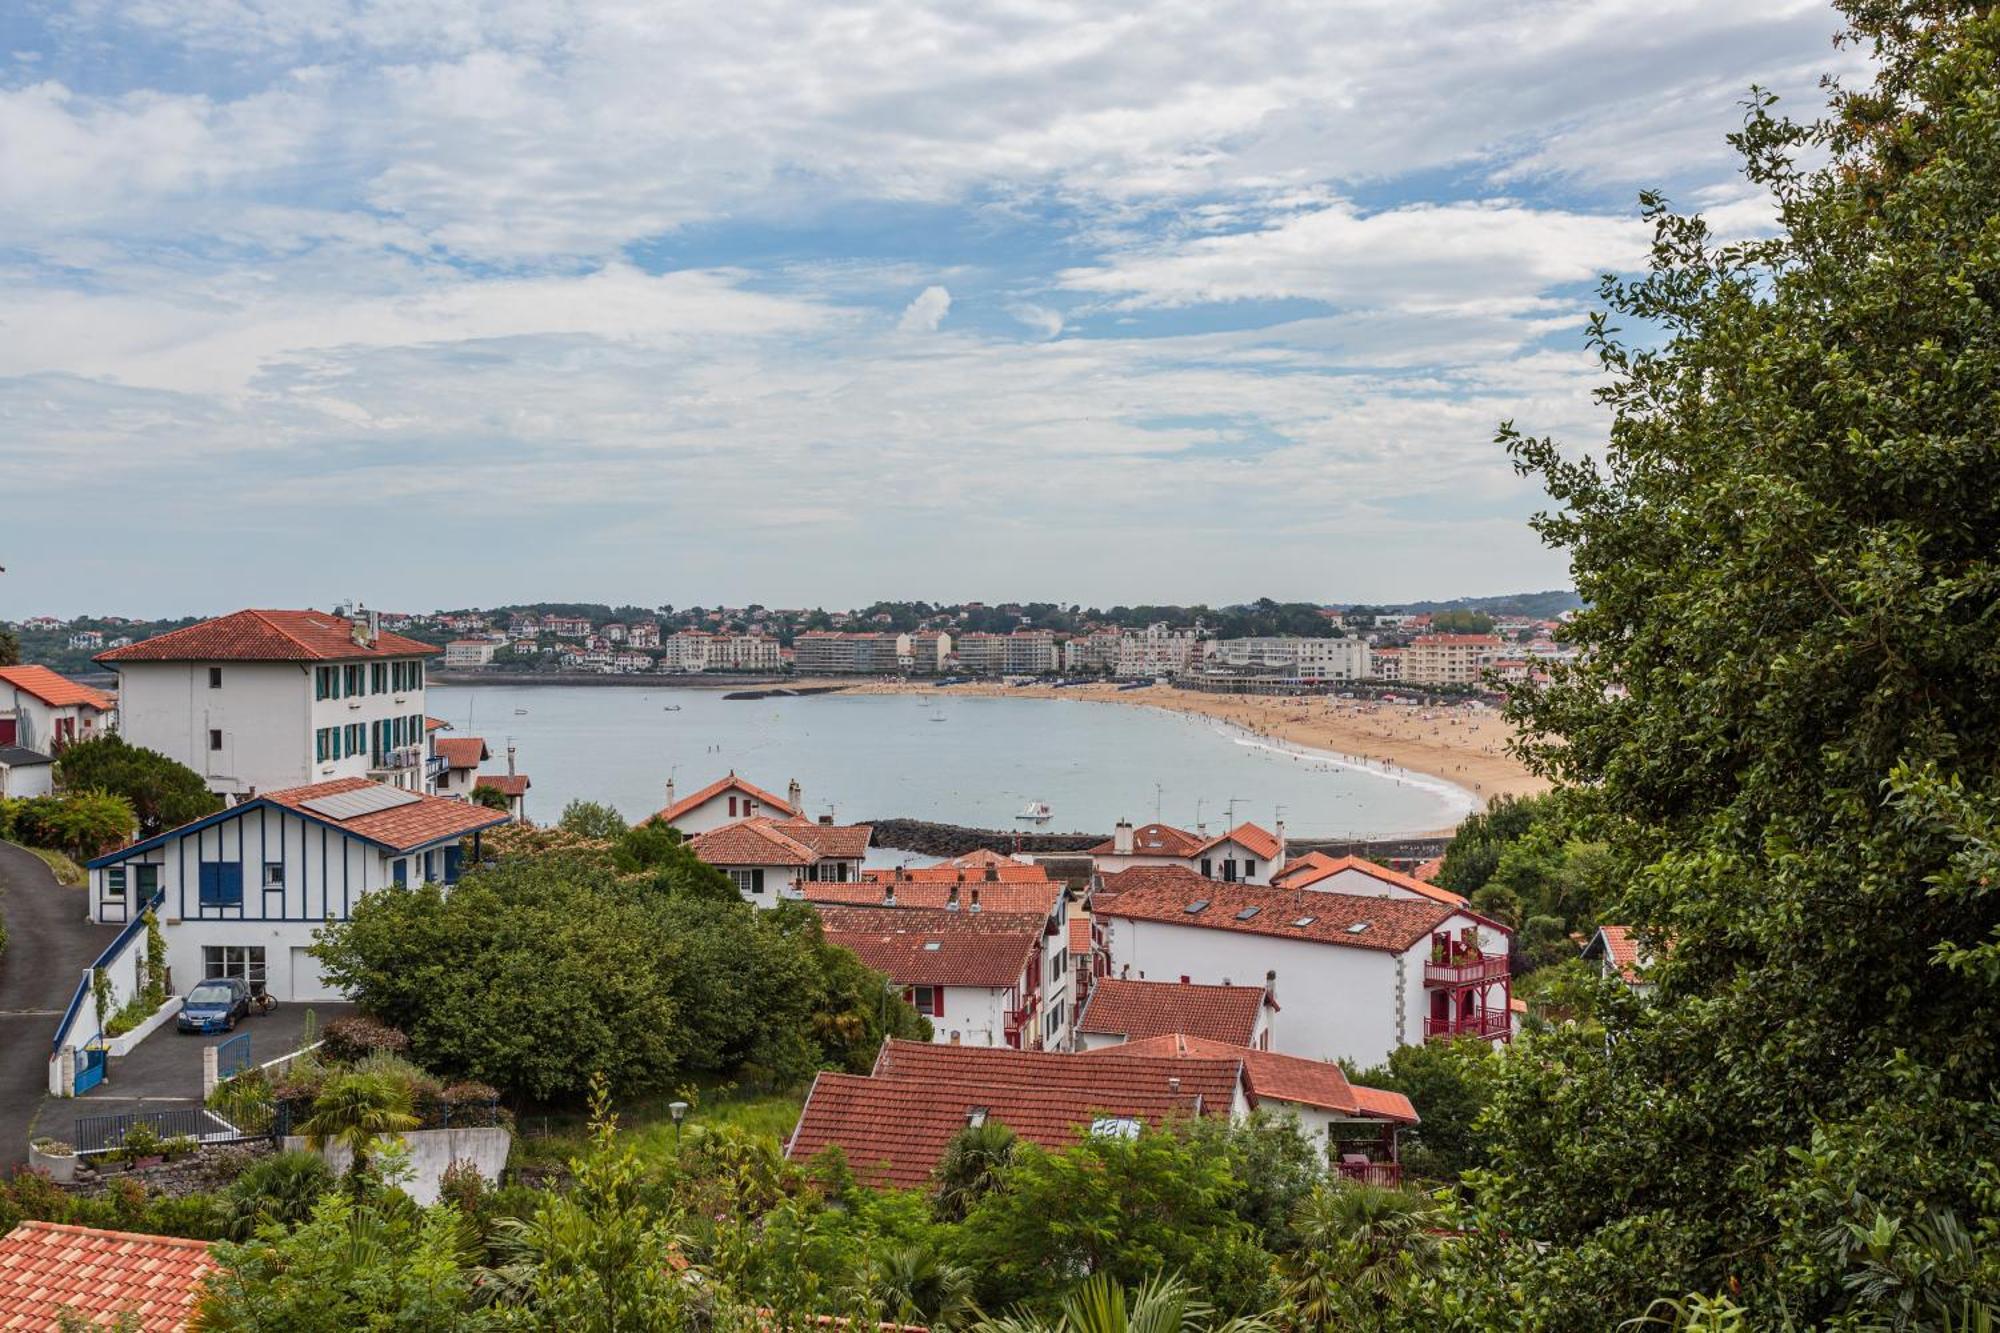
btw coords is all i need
(928, 838)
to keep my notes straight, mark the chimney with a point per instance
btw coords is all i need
(374, 626)
(1121, 838)
(670, 791)
(1281, 844)
(975, 897)
(357, 628)
(510, 759)
(889, 894)
(992, 872)
(1173, 1083)
(797, 797)
(951, 903)
(826, 819)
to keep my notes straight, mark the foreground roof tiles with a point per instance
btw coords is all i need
(722, 785)
(1139, 1009)
(47, 1267)
(54, 690)
(1154, 840)
(935, 947)
(1347, 920)
(1316, 867)
(418, 823)
(844, 842)
(266, 636)
(751, 842)
(895, 1124)
(1249, 836)
(1037, 896)
(1269, 1076)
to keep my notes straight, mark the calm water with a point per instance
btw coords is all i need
(958, 760)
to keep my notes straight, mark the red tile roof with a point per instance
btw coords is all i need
(1036, 896)
(266, 636)
(1270, 1076)
(1428, 871)
(728, 783)
(417, 823)
(842, 842)
(46, 1267)
(54, 690)
(1009, 872)
(436, 724)
(1249, 836)
(1617, 944)
(979, 856)
(751, 842)
(1139, 1009)
(510, 784)
(1314, 867)
(1154, 840)
(1079, 935)
(462, 751)
(916, 946)
(895, 1124)
(1387, 924)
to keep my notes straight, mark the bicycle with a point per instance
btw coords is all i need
(264, 1002)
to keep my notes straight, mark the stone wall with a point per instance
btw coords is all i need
(943, 840)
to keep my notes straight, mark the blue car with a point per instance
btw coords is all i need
(215, 1005)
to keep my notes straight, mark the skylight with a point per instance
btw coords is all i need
(932, 946)
(1247, 913)
(1114, 1127)
(1196, 907)
(1304, 921)
(1357, 928)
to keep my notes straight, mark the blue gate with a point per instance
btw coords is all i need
(232, 1057)
(90, 1064)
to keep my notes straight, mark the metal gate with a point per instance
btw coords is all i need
(232, 1057)
(90, 1064)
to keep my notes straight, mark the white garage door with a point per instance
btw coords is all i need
(307, 983)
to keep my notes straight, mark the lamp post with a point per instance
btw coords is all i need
(679, 1112)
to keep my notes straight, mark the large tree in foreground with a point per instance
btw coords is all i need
(1787, 724)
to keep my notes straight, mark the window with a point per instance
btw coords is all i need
(1207, 868)
(1197, 907)
(326, 682)
(1247, 913)
(378, 677)
(352, 679)
(114, 882)
(215, 738)
(416, 675)
(234, 960)
(396, 676)
(215, 678)
(148, 877)
(326, 743)
(221, 883)
(927, 1000)
(274, 874)
(357, 738)
(1249, 869)
(749, 881)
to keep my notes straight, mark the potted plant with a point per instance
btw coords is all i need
(55, 1157)
(142, 1146)
(181, 1145)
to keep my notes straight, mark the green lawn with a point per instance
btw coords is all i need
(647, 1123)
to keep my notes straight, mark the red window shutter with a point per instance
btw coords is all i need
(937, 1002)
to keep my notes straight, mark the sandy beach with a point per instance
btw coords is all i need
(1464, 744)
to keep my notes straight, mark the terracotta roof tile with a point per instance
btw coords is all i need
(1249, 836)
(751, 842)
(1387, 924)
(1314, 867)
(46, 1267)
(462, 751)
(1079, 935)
(1036, 896)
(54, 690)
(417, 823)
(1139, 1009)
(511, 784)
(843, 842)
(266, 636)
(1010, 872)
(1619, 945)
(894, 1124)
(1270, 1076)
(916, 946)
(729, 782)
(1154, 840)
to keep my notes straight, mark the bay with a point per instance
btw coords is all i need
(954, 759)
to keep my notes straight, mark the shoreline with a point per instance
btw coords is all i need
(1461, 746)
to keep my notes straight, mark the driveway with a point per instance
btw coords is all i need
(49, 944)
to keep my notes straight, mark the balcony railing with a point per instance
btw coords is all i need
(402, 757)
(434, 767)
(1466, 972)
(1489, 1023)
(1386, 1174)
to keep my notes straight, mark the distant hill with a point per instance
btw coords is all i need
(1536, 605)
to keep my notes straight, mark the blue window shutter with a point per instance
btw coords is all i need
(402, 871)
(453, 856)
(221, 883)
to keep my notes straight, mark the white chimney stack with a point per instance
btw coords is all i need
(670, 792)
(510, 759)
(1281, 844)
(1121, 838)
(796, 795)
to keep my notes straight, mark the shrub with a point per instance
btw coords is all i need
(281, 1189)
(352, 1039)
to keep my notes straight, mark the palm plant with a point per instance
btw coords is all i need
(912, 1284)
(1358, 1245)
(354, 1110)
(1162, 1304)
(971, 1167)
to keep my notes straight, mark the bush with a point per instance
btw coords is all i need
(162, 793)
(281, 1189)
(352, 1039)
(78, 823)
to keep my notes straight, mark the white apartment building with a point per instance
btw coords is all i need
(1449, 659)
(1028, 652)
(698, 650)
(1096, 651)
(266, 700)
(1159, 650)
(1303, 659)
(472, 653)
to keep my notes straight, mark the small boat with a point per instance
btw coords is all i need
(520, 712)
(670, 708)
(937, 717)
(1037, 811)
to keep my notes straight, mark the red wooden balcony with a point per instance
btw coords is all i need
(1491, 1023)
(1353, 1167)
(1466, 971)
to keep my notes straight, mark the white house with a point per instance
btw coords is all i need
(266, 700)
(25, 772)
(1352, 874)
(42, 711)
(1121, 1010)
(772, 860)
(725, 801)
(461, 756)
(980, 977)
(1245, 854)
(514, 786)
(1359, 975)
(469, 653)
(1618, 952)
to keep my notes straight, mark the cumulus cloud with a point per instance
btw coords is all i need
(924, 314)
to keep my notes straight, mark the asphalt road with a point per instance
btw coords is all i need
(49, 944)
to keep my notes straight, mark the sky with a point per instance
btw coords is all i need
(466, 302)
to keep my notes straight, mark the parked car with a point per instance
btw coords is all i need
(215, 1005)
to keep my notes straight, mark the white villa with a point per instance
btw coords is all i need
(267, 700)
(771, 860)
(1246, 854)
(725, 801)
(42, 711)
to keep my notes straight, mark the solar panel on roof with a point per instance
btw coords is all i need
(348, 805)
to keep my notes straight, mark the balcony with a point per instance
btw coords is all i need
(1388, 1175)
(397, 760)
(1466, 972)
(1490, 1023)
(434, 767)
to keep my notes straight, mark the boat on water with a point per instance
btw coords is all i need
(1037, 812)
(937, 717)
(670, 708)
(520, 712)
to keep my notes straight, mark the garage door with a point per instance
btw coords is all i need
(307, 983)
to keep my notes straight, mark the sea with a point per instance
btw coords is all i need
(954, 759)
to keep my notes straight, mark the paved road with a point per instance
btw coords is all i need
(49, 944)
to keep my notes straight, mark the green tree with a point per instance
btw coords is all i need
(163, 794)
(1450, 1083)
(353, 1111)
(591, 819)
(1784, 715)
(10, 648)
(971, 1167)
(1162, 1303)
(1362, 1250)
(79, 823)
(490, 797)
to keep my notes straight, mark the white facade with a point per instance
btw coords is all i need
(263, 726)
(469, 652)
(26, 773)
(730, 802)
(1160, 651)
(1307, 659)
(29, 721)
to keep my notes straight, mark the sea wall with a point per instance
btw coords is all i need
(942, 840)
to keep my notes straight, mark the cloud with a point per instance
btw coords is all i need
(924, 314)
(1045, 322)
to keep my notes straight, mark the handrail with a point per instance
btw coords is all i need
(117, 946)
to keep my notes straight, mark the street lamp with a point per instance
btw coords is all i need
(679, 1112)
